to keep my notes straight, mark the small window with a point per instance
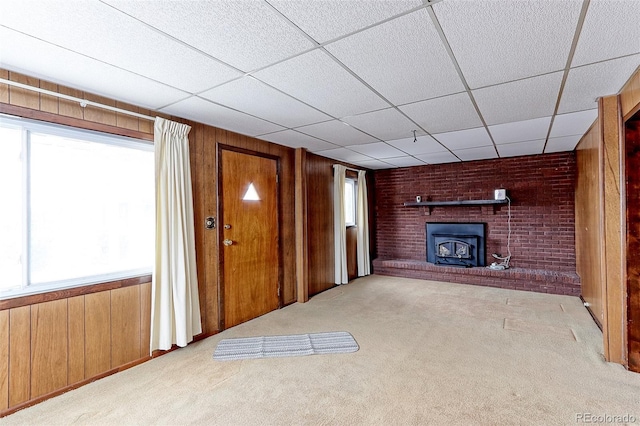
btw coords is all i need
(78, 207)
(350, 193)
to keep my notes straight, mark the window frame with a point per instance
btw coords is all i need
(354, 198)
(78, 285)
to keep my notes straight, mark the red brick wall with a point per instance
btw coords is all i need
(540, 186)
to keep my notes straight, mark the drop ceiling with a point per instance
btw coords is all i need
(379, 83)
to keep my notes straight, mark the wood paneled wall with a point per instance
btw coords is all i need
(50, 346)
(630, 96)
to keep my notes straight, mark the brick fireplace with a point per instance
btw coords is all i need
(542, 224)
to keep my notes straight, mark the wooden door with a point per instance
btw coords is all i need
(249, 234)
(632, 140)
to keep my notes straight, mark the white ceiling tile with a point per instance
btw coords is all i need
(499, 41)
(384, 124)
(610, 30)
(103, 33)
(379, 150)
(203, 111)
(295, 139)
(455, 112)
(564, 143)
(256, 98)
(531, 147)
(327, 20)
(318, 80)
(585, 84)
(463, 139)
(479, 153)
(245, 34)
(405, 161)
(61, 66)
(438, 158)
(575, 123)
(373, 164)
(423, 145)
(519, 100)
(520, 131)
(403, 59)
(336, 132)
(344, 154)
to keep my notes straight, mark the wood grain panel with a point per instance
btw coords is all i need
(76, 339)
(22, 97)
(588, 213)
(49, 348)
(97, 333)
(352, 254)
(612, 196)
(209, 200)
(630, 94)
(48, 103)
(302, 243)
(124, 120)
(4, 360)
(145, 319)
(19, 355)
(632, 149)
(320, 223)
(4, 88)
(146, 126)
(125, 325)
(100, 115)
(70, 108)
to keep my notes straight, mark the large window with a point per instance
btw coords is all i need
(77, 207)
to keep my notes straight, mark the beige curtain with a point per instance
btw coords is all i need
(175, 307)
(339, 225)
(362, 223)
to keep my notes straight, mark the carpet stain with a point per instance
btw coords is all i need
(536, 328)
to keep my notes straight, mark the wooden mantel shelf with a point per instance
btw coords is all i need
(461, 203)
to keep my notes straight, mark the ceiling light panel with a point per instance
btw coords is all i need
(585, 84)
(423, 145)
(61, 66)
(575, 123)
(455, 112)
(295, 139)
(245, 34)
(317, 80)
(564, 143)
(327, 20)
(519, 100)
(203, 111)
(384, 124)
(344, 154)
(521, 148)
(499, 41)
(378, 150)
(470, 138)
(405, 161)
(103, 33)
(438, 158)
(256, 98)
(611, 29)
(403, 59)
(479, 153)
(336, 132)
(520, 131)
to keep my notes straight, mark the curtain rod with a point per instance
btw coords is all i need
(349, 168)
(83, 102)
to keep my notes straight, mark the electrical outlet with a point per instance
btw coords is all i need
(500, 194)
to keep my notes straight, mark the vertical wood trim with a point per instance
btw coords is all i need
(49, 346)
(145, 319)
(302, 243)
(19, 355)
(125, 325)
(97, 312)
(615, 300)
(601, 230)
(4, 360)
(196, 138)
(76, 339)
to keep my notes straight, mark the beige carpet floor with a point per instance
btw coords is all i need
(430, 353)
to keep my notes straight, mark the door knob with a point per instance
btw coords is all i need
(227, 242)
